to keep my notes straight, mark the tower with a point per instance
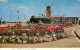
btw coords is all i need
(48, 11)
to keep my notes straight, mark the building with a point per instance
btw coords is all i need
(37, 19)
(64, 20)
(53, 19)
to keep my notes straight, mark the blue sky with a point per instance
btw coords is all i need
(27, 8)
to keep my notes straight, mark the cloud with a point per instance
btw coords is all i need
(18, 7)
(22, 7)
(78, 0)
(3, 0)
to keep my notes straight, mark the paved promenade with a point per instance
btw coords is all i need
(77, 31)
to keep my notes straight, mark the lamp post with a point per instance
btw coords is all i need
(10, 20)
(18, 16)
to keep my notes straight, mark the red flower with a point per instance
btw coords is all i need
(65, 24)
(36, 31)
(24, 31)
(33, 32)
(0, 28)
(18, 25)
(7, 32)
(42, 30)
(45, 32)
(28, 31)
(19, 33)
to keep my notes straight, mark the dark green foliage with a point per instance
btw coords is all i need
(30, 40)
(8, 40)
(16, 40)
(79, 21)
(0, 40)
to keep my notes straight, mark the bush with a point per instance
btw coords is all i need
(8, 40)
(30, 40)
(1, 40)
(79, 21)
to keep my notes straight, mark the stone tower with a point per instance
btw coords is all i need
(48, 11)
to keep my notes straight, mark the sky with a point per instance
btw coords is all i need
(28, 8)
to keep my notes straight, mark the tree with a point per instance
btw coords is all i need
(0, 21)
(4, 22)
(79, 21)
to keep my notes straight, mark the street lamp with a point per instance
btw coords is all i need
(18, 16)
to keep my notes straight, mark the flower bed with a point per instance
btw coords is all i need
(31, 33)
(65, 25)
